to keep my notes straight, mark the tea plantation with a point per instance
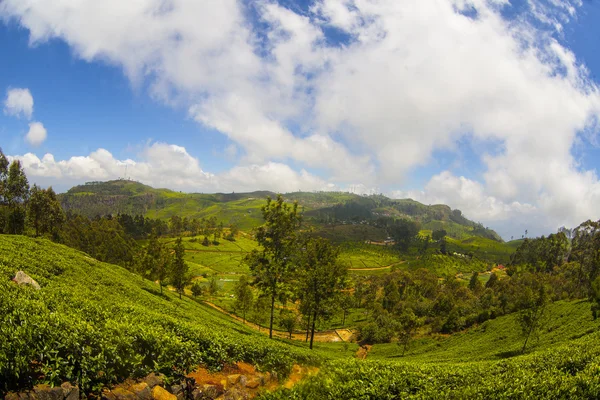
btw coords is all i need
(97, 324)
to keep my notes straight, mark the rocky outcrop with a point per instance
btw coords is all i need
(66, 391)
(222, 385)
(21, 278)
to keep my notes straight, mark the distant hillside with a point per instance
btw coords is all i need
(321, 208)
(129, 197)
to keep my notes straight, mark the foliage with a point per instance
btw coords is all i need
(272, 265)
(180, 276)
(288, 320)
(44, 212)
(13, 196)
(542, 254)
(197, 289)
(95, 324)
(243, 296)
(102, 238)
(320, 280)
(404, 232)
(570, 371)
(156, 262)
(533, 299)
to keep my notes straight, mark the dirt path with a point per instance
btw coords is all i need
(376, 268)
(336, 335)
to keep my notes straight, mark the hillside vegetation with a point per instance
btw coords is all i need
(321, 209)
(97, 324)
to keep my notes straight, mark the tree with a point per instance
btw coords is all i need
(586, 251)
(197, 289)
(44, 211)
(408, 325)
(157, 262)
(403, 231)
(243, 296)
(443, 246)
(439, 234)
(272, 265)
(492, 281)
(176, 225)
(260, 310)
(213, 286)
(475, 284)
(179, 273)
(346, 304)
(391, 295)
(321, 279)
(533, 300)
(288, 320)
(15, 193)
(595, 297)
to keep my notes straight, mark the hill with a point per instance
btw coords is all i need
(97, 324)
(322, 209)
(481, 363)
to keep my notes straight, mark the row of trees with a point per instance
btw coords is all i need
(140, 227)
(22, 207)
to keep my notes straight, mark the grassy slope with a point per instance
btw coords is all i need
(499, 338)
(477, 364)
(126, 327)
(98, 323)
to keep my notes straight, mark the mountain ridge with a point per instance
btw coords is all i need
(322, 208)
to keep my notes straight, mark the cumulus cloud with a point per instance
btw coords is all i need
(18, 103)
(37, 134)
(409, 78)
(170, 166)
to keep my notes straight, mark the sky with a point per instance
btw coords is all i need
(489, 106)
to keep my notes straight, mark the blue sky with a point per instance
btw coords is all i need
(487, 107)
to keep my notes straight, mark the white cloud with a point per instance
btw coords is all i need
(18, 102)
(37, 134)
(170, 166)
(469, 196)
(415, 76)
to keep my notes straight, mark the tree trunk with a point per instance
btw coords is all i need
(527, 337)
(160, 285)
(312, 333)
(307, 328)
(525, 344)
(272, 310)
(344, 319)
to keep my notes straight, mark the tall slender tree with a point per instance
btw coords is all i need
(157, 261)
(15, 194)
(272, 265)
(321, 279)
(180, 277)
(243, 296)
